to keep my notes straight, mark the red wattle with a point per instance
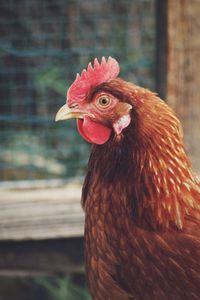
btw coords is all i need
(93, 132)
(81, 131)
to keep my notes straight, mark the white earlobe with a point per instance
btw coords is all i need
(121, 123)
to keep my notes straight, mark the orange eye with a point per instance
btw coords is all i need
(104, 101)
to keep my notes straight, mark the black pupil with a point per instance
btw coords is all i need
(104, 101)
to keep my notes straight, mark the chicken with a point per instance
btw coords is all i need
(140, 195)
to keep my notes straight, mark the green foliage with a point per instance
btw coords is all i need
(48, 155)
(50, 78)
(62, 288)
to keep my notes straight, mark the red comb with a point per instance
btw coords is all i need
(93, 76)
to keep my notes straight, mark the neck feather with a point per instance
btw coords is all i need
(150, 169)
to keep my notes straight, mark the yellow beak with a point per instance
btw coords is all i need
(65, 113)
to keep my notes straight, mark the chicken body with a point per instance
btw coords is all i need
(140, 196)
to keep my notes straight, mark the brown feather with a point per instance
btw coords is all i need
(142, 205)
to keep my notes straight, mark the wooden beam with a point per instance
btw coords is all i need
(161, 47)
(41, 228)
(48, 257)
(179, 58)
(40, 213)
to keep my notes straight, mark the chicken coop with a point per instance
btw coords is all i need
(42, 163)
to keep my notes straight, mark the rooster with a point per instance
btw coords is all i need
(140, 195)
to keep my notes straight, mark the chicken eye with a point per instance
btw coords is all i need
(104, 101)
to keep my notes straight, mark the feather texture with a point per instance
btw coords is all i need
(141, 198)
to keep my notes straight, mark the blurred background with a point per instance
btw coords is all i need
(43, 45)
(42, 163)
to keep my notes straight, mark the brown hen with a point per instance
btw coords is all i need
(140, 196)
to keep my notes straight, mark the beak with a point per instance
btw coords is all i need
(65, 113)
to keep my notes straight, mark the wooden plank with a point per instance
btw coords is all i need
(44, 257)
(161, 47)
(182, 81)
(44, 213)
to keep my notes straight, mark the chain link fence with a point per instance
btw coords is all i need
(43, 45)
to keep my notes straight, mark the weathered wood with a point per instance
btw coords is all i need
(34, 258)
(182, 82)
(161, 47)
(41, 213)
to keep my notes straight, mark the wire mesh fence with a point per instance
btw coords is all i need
(43, 45)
